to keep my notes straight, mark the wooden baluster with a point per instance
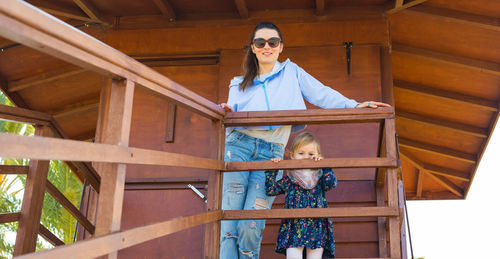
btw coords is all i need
(392, 190)
(214, 196)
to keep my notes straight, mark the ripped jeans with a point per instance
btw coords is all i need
(245, 191)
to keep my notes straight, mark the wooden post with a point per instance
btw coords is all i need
(31, 209)
(214, 196)
(387, 97)
(392, 190)
(114, 128)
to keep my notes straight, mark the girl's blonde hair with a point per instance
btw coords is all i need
(302, 139)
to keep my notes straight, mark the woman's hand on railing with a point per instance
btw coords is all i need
(226, 107)
(276, 159)
(372, 104)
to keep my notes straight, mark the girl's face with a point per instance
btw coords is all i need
(267, 54)
(307, 151)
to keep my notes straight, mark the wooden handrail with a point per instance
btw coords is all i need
(70, 150)
(103, 245)
(28, 25)
(311, 213)
(301, 164)
(312, 116)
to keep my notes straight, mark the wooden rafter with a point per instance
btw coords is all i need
(486, 22)
(320, 7)
(89, 9)
(166, 9)
(42, 78)
(439, 176)
(442, 124)
(76, 110)
(448, 96)
(404, 6)
(448, 184)
(420, 183)
(434, 169)
(437, 150)
(398, 3)
(451, 173)
(14, 97)
(64, 11)
(241, 5)
(24, 115)
(469, 63)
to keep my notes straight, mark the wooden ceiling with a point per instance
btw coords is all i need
(445, 66)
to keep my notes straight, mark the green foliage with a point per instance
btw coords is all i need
(54, 216)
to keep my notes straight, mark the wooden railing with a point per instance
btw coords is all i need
(27, 25)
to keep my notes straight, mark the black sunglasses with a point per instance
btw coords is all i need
(273, 42)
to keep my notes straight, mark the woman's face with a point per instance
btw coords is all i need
(267, 54)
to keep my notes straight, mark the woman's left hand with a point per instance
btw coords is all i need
(372, 104)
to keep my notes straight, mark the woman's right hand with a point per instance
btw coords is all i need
(226, 107)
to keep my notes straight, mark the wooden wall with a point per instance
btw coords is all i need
(158, 193)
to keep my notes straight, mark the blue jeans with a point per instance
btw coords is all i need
(245, 191)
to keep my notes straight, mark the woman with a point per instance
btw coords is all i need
(266, 85)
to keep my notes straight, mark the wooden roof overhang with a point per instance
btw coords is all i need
(445, 67)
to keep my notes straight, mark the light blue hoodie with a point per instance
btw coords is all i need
(284, 89)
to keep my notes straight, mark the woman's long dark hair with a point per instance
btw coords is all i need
(251, 64)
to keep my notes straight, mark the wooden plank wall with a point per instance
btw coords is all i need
(316, 47)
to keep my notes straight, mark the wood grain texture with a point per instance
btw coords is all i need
(112, 242)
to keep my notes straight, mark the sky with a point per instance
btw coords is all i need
(467, 228)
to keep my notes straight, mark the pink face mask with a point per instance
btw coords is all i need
(305, 178)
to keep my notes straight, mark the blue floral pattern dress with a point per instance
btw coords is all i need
(305, 232)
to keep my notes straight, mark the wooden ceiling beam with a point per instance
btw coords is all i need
(42, 78)
(486, 22)
(166, 9)
(438, 170)
(398, 3)
(241, 5)
(469, 63)
(15, 98)
(437, 174)
(403, 6)
(89, 9)
(448, 184)
(442, 124)
(448, 96)
(24, 115)
(64, 11)
(320, 7)
(76, 110)
(437, 150)
(420, 183)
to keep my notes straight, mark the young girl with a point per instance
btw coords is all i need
(304, 189)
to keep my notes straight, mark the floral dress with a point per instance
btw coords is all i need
(304, 232)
